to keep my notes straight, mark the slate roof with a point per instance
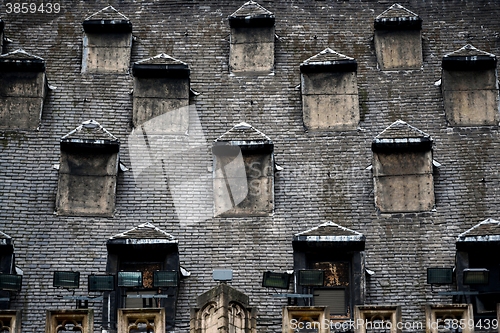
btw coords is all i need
(145, 231)
(244, 132)
(90, 131)
(485, 231)
(329, 232)
(108, 13)
(251, 9)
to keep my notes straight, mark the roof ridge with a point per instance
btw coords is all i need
(469, 47)
(327, 51)
(487, 221)
(243, 126)
(401, 122)
(161, 56)
(143, 225)
(21, 51)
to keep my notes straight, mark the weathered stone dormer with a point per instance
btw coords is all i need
(161, 92)
(403, 169)
(398, 43)
(145, 248)
(223, 309)
(252, 40)
(88, 171)
(329, 92)
(23, 87)
(470, 87)
(107, 42)
(243, 173)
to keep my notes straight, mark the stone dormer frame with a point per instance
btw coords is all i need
(11, 319)
(88, 171)
(79, 320)
(251, 50)
(107, 42)
(469, 84)
(403, 169)
(23, 87)
(329, 92)
(145, 248)
(161, 92)
(223, 309)
(397, 39)
(243, 173)
(437, 315)
(385, 317)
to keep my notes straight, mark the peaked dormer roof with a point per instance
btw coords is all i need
(243, 134)
(145, 233)
(251, 14)
(90, 133)
(401, 136)
(20, 60)
(161, 65)
(469, 58)
(107, 19)
(329, 60)
(332, 234)
(6, 243)
(398, 17)
(483, 232)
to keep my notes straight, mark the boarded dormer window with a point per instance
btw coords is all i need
(403, 169)
(398, 43)
(252, 40)
(161, 91)
(107, 42)
(329, 92)
(470, 87)
(243, 173)
(88, 171)
(23, 87)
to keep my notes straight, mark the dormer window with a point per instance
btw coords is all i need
(88, 172)
(23, 87)
(329, 92)
(243, 173)
(470, 87)
(252, 40)
(398, 43)
(478, 269)
(161, 92)
(143, 251)
(337, 254)
(403, 169)
(107, 42)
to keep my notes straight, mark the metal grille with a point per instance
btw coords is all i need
(333, 298)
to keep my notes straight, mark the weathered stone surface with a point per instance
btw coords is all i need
(161, 88)
(398, 49)
(404, 193)
(168, 115)
(106, 53)
(407, 163)
(333, 112)
(471, 107)
(249, 54)
(328, 83)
